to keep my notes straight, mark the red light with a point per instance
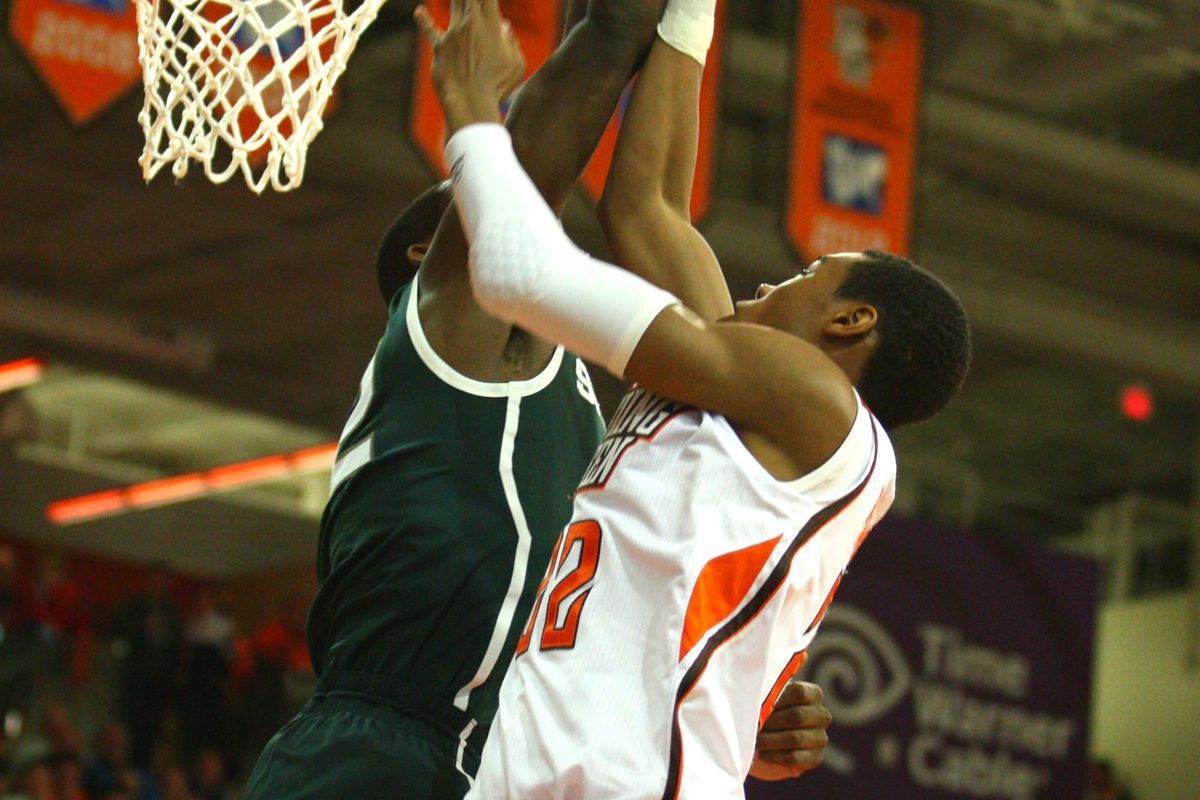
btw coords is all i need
(1137, 403)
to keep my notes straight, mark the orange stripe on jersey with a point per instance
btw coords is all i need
(793, 666)
(719, 589)
(881, 507)
(828, 599)
(751, 610)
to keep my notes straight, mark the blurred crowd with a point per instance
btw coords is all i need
(153, 698)
(1102, 783)
(156, 698)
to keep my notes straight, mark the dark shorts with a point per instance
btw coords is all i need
(344, 746)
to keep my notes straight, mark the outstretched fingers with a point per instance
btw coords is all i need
(477, 54)
(459, 11)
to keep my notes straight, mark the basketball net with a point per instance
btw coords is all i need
(241, 85)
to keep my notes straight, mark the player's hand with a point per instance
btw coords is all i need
(477, 61)
(792, 740)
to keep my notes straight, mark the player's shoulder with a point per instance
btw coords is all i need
(818, 414)
(864, 454)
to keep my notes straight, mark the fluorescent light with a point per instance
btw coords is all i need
(20, 373)
(191, 485)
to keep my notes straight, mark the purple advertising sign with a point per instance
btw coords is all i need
(955, 667)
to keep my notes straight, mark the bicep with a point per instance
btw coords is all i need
(654, 241)
(758, 377)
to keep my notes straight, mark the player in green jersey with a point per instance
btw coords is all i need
(453, 478)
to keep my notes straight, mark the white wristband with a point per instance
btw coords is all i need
(688, 27)
(524, 269)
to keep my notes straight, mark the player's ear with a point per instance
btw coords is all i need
(416, 253)
(852, 320)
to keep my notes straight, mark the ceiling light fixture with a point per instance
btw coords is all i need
(20, 373)
(191, 485)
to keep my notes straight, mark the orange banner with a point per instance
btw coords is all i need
(85, 51)
(537, 24)
(537, 27)
(596, 172)
(854, 127)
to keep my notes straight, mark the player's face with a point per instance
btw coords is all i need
(801, 304)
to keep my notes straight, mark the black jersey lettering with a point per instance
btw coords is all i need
(640, 416)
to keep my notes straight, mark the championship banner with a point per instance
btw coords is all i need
(955, 667)
(854, 127)
(85, 51)
(537, 24)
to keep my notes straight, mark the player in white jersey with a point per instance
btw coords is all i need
(686, 587)
(712, 529)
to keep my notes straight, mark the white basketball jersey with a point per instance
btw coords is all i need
(676, 605)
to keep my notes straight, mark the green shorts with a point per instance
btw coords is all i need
(353, 746)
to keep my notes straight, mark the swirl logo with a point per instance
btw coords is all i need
(859, 666)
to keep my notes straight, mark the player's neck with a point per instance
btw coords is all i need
(523, 358)
(851, 359)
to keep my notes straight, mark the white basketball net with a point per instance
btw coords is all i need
(241, 85)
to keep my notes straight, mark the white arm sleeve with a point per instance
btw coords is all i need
(525, 270)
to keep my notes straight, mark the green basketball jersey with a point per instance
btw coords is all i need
(447, 496)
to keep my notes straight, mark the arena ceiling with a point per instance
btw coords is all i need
(193, 325)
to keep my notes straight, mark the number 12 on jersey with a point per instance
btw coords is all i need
(572, 588)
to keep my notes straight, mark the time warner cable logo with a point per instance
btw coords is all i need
(972, 731)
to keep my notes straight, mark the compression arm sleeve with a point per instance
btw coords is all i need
(524, 269)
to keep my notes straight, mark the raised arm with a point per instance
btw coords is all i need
(645, 208)
(556, 120)
(525, 270)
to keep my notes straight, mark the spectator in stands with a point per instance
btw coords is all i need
(115, 793)
(58, 614)
(36, 782)
(18, 665)
(8, 588)
(112, 769)
(1102, 783)
(146, 630)
(276, 649)
(68, 777)
(204, 700)
(175, 784)
(59, 733)
(54, 737)
(208, 776)
(5, 766)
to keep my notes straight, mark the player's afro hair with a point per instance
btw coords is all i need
(925, 340)
(415, 225)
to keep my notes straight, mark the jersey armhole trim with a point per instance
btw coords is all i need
(449, 375)
(854, 451)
